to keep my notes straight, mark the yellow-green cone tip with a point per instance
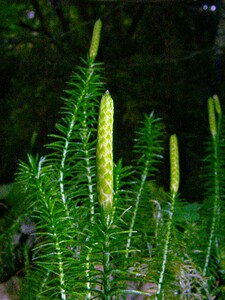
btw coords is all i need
(174, 164)
(212, 117)
(95, 39)
(104, 153)
(217, 104)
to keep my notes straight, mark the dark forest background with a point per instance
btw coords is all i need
(161, 55)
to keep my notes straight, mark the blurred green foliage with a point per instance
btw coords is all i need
(159, 55)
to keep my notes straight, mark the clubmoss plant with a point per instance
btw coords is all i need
(174, 186)
(215, 185)
(107, 231)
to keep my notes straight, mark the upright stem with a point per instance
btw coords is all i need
(54, 234)
(106, 266)
(137, 202)
(215, 127)
(72, 122)
(215, 207)
(166, 247)
(174, 186)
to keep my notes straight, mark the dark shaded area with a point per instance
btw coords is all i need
(165, 56)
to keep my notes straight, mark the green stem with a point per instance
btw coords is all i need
(166, 247)
(106, 265)
(149, 146)
(215, 128)
(215, 206)
(88, 284)
(174, 186)
(137, 202)
(43, 284)
(73, 119)
(90, 72)
(57, 245)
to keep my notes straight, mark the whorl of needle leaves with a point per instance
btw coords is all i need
(104, 156)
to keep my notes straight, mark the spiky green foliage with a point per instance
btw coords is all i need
(149, 147)
(214, 184)
(206, 238)
(104, 231)
(78, 251)
(62, 184)
(174, 186)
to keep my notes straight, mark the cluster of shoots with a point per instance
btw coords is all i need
(94, 216)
